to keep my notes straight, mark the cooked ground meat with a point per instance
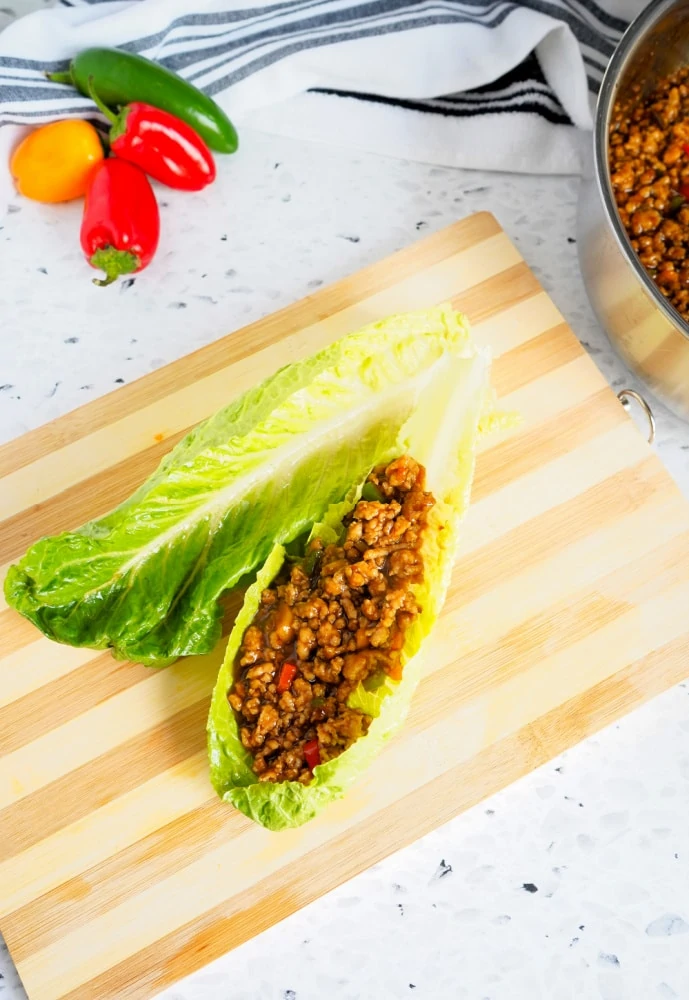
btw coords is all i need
(334, 619)
(649, 171)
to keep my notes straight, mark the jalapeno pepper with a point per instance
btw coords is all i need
(163, 146)
(121, 223)
(122, 78)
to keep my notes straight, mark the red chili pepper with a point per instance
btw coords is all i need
(312, 754)
(121, 223)
(288, 672)
(684, 191)
(162, 145)
(685, 147)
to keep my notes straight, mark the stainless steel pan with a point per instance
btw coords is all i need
(645, 330)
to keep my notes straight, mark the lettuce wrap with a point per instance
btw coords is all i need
(147, 578)
(440, 434)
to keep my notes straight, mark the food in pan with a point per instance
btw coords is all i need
(649, 173)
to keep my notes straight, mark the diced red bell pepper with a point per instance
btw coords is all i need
(288, 671)
(312, 754)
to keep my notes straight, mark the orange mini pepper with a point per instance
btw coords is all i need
(54, 163)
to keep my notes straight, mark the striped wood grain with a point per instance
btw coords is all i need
(120, 871)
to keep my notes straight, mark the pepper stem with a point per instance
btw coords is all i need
(104, 282)
(64, 77)
(114, 262)
(103, 108)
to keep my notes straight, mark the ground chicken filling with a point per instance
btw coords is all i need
(649, 172)
(332, 620)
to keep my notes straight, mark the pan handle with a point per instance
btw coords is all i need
(625, 395)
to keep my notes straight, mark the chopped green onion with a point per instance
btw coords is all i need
(312, 561)
(371, 492)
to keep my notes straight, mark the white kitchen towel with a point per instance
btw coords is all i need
(473, 83)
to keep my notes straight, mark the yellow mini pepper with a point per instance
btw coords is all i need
(54, 162)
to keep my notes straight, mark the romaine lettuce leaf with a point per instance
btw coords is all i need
(146, 579)
(441, 434)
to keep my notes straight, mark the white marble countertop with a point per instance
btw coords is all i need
(574, 882)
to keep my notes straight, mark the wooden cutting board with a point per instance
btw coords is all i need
(120, 871)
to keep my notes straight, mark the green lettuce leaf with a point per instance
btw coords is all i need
(146, 579)
(441, 433)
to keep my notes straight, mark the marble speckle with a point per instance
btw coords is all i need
(608, 960)
(667, 925)
(442, 870)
